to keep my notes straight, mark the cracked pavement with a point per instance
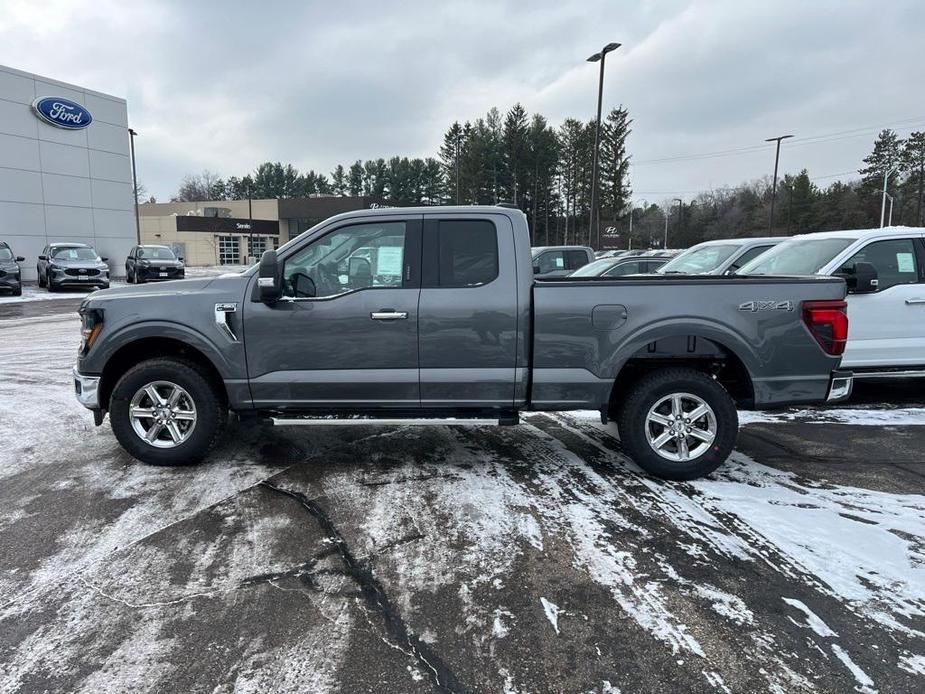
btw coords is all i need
(406, 559)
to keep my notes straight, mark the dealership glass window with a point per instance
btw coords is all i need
(256, 245)
(894, 260)
(468, 253)
(356, 257)
(229, 250)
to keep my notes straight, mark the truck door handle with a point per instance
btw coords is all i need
(915, 301)
(389, 314)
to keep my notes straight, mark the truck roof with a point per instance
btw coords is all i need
(861, 233)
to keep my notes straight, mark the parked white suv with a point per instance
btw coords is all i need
(885, 272)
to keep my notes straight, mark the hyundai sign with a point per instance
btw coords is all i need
(62, 113)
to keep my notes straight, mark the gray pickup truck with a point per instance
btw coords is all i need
(434, 312)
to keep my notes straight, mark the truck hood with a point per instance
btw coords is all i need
(224, 288)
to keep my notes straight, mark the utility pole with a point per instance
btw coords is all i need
(774, 184)
(597, 57)
(666, 228)
(680, 217)
(886, 176)
(250, 225)
(132, 135)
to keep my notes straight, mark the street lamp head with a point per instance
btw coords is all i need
(611, 47)
(594, 58)
(778, 139)
(132, 132)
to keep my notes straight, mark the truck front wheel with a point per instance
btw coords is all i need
(166, 412)
(678, 423)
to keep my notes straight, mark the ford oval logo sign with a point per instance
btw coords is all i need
(62, 113)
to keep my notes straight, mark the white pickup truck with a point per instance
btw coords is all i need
(885, 273)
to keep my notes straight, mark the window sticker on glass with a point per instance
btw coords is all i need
(905, 262)
(388, 261)
(560, 262)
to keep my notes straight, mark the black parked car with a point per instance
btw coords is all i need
(72, 264)
(10, 275)
(153, 264)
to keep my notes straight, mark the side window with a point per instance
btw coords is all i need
(894, 260)
(575, 259)
(363, 256)
(550, 261)
(624, 269)
(468, 253)
(748, 256)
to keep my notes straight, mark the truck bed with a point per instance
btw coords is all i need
(585, 330)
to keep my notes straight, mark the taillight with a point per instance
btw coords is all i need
(828, 322)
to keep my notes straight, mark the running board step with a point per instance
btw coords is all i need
(377, 421)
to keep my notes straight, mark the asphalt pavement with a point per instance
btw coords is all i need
(534, 558)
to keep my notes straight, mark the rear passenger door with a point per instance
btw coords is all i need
(467, 331)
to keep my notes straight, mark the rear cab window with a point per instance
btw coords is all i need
(467, 252)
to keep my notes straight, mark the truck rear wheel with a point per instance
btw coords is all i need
(166, 412)
(678, 423)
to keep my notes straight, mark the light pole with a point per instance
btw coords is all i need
(774, 184)
(890, 219)
(131, 138)
(597, 57)
(680, 213)
(886, 176)
(250, 226)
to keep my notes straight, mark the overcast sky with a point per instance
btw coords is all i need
(226, 85)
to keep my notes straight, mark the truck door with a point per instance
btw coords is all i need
(887, 327)
(345, 333)
(468, 312)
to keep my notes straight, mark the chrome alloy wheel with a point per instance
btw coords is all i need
(681, 427)
(162, 414)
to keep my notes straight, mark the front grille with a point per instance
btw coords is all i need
(2, 274)
(77, 272)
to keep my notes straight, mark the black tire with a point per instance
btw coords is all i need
(653, 387)
(41, 281)
(136, 279)
(128, 276)
(50, 285)
(211, 412)
(17, 291)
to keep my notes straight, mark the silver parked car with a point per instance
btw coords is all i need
(722, 257)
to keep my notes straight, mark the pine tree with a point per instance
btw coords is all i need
(614, 164)
(355, 179)
(514, 151)
(913, 157)
(339, 181)
(450, 158)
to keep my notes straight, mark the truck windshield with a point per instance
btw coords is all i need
(594, 269)
(796, 257)
(699, 259)
(5, 253)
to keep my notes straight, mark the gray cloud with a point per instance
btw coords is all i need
(224, 86)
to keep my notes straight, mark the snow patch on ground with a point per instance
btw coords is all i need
(865, 682)
(812, 619)
(552, 613)
(900, 416)
(913, 663)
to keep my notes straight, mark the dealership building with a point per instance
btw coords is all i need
(65, 169)
(227, 232)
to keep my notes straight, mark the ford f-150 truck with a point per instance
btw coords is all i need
(434, 312)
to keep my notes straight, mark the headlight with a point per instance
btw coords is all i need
(91, 324)
(144, 263)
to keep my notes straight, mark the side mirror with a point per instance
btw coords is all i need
(303, 286)
(43, 257)
(20, 259)
(863, 280)
(180, 259)
(104, 259)
(269, 281)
